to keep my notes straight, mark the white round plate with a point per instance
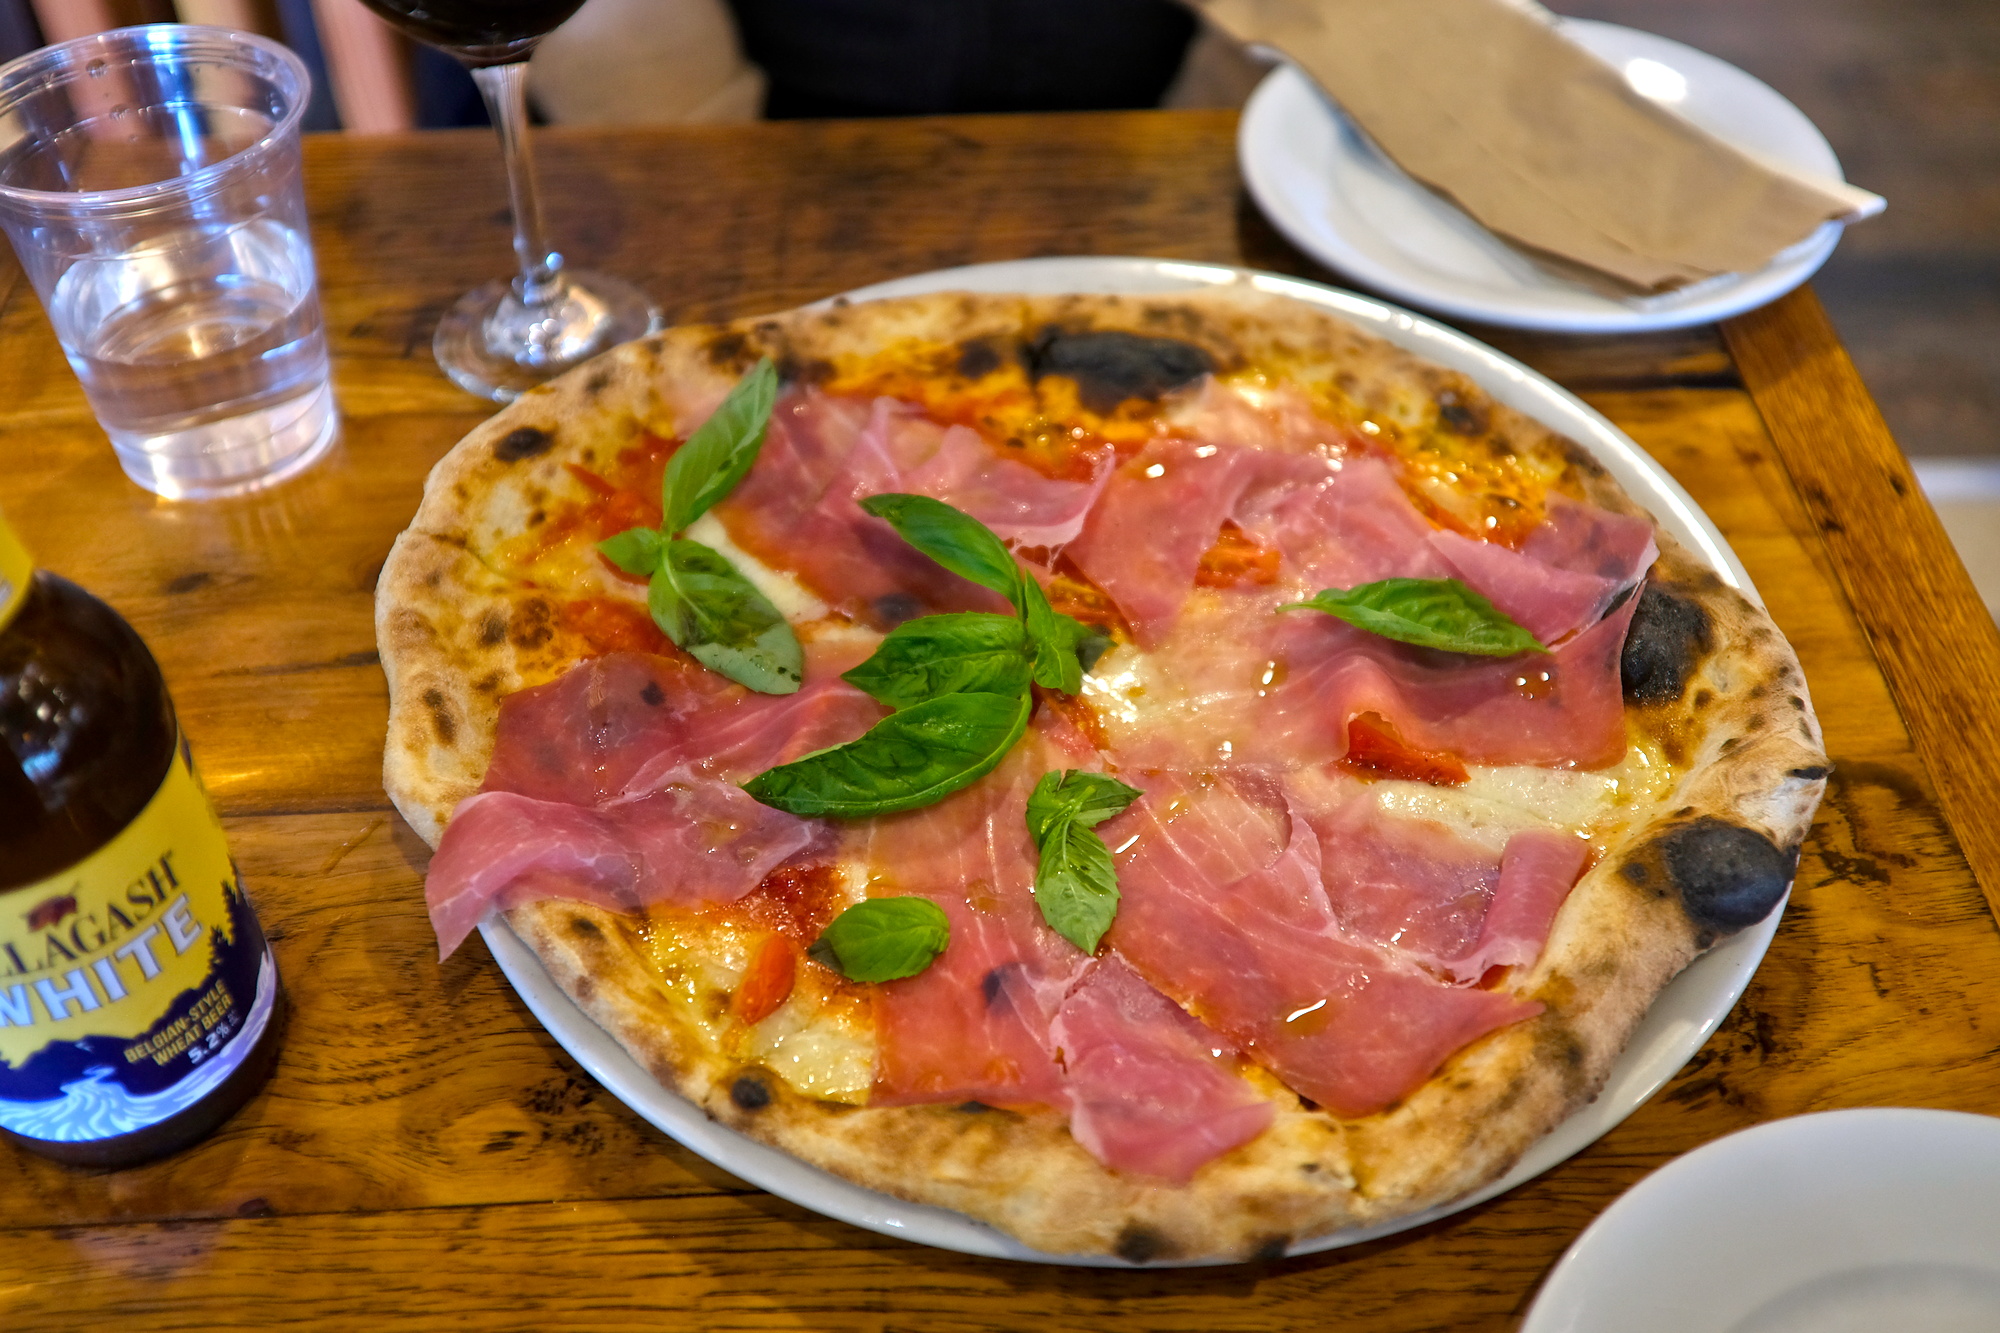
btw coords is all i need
(1845, 1221)
(1336, 196)
(1680, 1020)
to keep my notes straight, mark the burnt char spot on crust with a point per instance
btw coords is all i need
(585, 928)
(1811, 773)
(1271, 1249)
(527, 442)
(1728, 876)
(978, 359)
(728, 349)
(1669, 637)
(1140, 1244)
(533, 624)
(442, 721)
(750, 1093)
(1111, 366)
(492, 629)
(1460, 417)
(812, 370)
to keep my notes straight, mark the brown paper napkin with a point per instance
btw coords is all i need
(1540, 140)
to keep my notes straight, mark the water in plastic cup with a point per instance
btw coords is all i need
(149, 180)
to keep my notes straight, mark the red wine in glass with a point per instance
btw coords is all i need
(504, 338)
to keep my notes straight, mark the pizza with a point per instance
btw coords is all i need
(1263, 897)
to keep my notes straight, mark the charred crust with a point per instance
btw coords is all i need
(1111, 367)
(597, 384)
(492, 629)
(533, 624)
(809, 370)
(1811, 772)
(728, 349)
(1141, 1244)
(584, 928)
(750, 1093)
(1728, 877)
(1635, 872)
(1460, 417)
(1270, 1249)
(442, 722)
(524, 443)
(978, 359)
(1670, 636)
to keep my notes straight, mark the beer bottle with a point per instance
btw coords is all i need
(139, 1005)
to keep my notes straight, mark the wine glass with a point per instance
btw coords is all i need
(504, 338)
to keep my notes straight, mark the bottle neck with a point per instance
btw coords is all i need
(17, 571)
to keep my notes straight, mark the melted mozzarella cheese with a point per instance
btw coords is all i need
(1496, 803)
(785, 592)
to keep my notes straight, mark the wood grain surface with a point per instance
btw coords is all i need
(1928, 625)
(426, 1156)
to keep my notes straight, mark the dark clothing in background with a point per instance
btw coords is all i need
(914, 57)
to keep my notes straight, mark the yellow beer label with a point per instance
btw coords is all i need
(103, 949)
(15, 571)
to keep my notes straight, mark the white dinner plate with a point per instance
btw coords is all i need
(1328, 188)
(1681, 1019)
(1882, 1219)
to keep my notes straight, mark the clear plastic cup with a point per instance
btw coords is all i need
(149, 181)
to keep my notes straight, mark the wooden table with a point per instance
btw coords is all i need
(426, 1154)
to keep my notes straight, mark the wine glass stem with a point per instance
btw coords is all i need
(505, 88)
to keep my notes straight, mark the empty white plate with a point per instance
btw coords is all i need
(1337, 197)
(1884, 1219)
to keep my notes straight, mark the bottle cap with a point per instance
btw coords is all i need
(16, 570)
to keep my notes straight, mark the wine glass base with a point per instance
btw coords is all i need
(492, 345)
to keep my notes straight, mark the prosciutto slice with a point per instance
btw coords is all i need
(1161, 511)
(616, 784)
(1566, 573)
(1355, 526)
(1149, 1090)
(975, 1024)
(694, 841)
(1280, 689)
(1418, 890)
(1224, 911)
(797, 509)
(624, 721)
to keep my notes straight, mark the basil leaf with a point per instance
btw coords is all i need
(635, 550)
(720, 451)
(909, 759)
(1056, 638)
(1430, 613)
(1092, 647)
(970, 652)
(722, 621)
(883, 939)
(958, 541)
(1076, 884)
(1075, 796)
